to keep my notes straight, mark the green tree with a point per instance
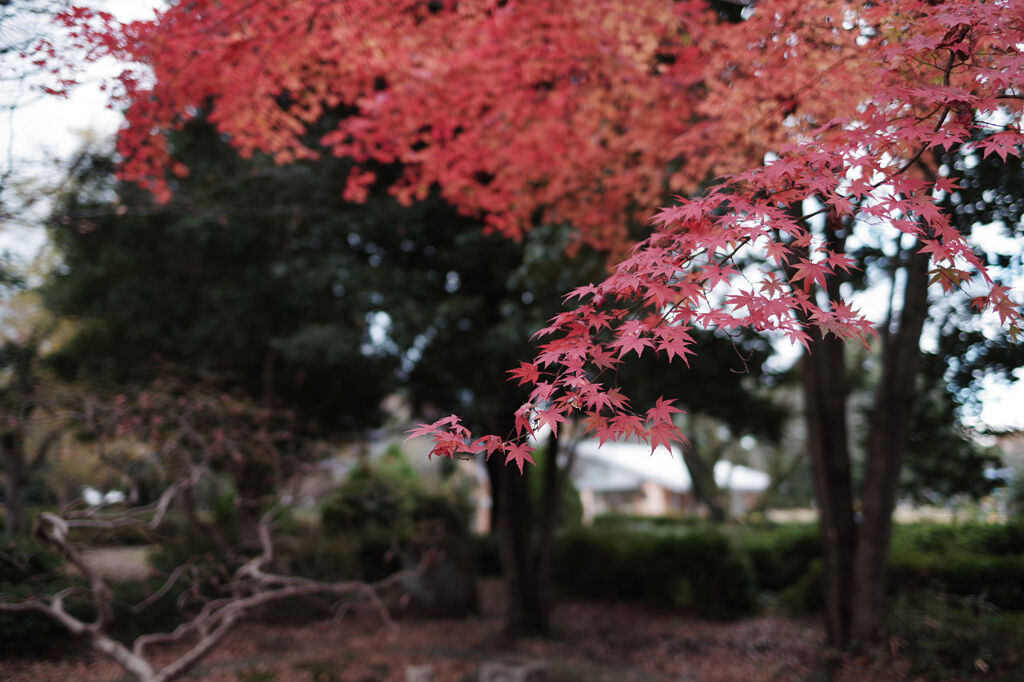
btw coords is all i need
(258, 276)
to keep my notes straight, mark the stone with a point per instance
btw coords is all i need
(419, 673)
(513, 670)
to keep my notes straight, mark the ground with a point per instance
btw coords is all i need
(592, 643)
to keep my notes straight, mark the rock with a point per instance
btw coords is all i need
(419, 673)
(514, 670)
(443, 589)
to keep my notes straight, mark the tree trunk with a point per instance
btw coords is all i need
(824, 384)
(525, 614)
(495, 465)
(705, 488)
(15, 482)
(887, 444)
(527, 548)
(825, 393)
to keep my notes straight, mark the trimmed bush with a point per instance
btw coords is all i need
(631, 522)
(780, 555)
(998, 580)
(958, 539)
(697, 571)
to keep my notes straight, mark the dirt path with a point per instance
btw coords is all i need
(119, 563)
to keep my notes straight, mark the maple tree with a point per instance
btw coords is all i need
(783, 135)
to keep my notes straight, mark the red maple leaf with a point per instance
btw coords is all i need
(520, 454)
(662, 411)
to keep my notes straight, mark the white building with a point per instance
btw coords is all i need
(626, 477)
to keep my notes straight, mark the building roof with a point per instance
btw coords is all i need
(625, 465)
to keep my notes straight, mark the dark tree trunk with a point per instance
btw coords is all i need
(527, 544)
(15, 481)
(887, 444)
(825, 401)
(525, 614)
(705, 488)
(495, 466)
(824, 384)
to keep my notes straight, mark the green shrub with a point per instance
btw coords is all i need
(994, 538)
(162, 615)
(632, 522)
(387, 498)
(698, 570)
(807, 594)
(957, 539)
(23, 559)
(33, 633)
(780, 555)
(942, 636)
(383, 510)
(317, 557)
(201, 550)
(29, 569)
(174, 525)
(996, 579)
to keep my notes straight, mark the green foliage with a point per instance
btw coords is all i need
(125, 535)
(984, 561)
(318, 556)
(570, 506)
(29, 569)
(780, 555)
(263, 277)
(943, 457)
(184, 549)
(23, 560)
(30, 632)
(258, 275)
(624, 522)
(209, 565)
(1015, 498)
(805, 595)
(388, 500)
(383, 507)
(697, 570)
(961, 539)
(162, 615)
(943, 636)
(998, 580)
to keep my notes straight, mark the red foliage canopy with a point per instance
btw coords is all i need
(806, 113)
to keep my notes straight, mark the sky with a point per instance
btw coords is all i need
(40, 134)
(38, 137)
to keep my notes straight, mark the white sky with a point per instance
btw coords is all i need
(42, 132)
(52, 126)
(49, 130)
